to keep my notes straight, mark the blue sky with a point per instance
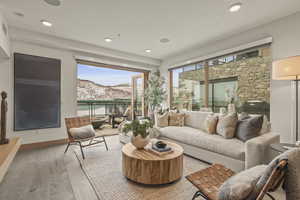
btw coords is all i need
(104, 76)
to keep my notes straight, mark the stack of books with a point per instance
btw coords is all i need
(160, 151)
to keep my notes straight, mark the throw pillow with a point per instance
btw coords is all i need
(268, 172)
(176, 119)
(162, 120)
(227, 124)
(292, 179)
(83, 132)
(241, 185)
(266, 126)
(249, 128)
(211, 122)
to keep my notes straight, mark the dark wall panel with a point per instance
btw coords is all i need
(36, 92)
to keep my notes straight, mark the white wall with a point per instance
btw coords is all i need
(286, 42)
(68, 88)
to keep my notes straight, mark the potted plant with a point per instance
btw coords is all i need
(155, 93)
(140, 132)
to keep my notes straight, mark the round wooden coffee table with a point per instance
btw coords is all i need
(143, 166)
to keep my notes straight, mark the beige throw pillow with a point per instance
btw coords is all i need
(227, 124)
(83, 132)
(163, 120)
(176, 119)
(211, 122)
(266, 126)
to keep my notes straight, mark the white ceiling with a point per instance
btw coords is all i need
(142, 23)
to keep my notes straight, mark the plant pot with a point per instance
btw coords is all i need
(139, 142)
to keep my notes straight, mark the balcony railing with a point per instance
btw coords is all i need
(101, 108)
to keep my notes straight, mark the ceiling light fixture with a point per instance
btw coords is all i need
(19, 14)
(53, 2)
(235, 7)
(107, 39)
(148, 50)
(46, 23)
(164, 40)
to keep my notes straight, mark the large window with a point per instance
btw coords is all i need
(243, 77)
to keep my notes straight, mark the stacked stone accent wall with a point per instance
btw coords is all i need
(253, 76)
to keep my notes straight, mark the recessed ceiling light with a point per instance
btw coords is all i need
(53, 2)
(19, 14)
(107, 39)
(164, 40)
(235, 7)
(46, 23)
(148, 50)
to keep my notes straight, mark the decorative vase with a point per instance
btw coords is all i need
(139, 142)
(231, 108)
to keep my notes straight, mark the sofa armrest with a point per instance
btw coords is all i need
(257, 149)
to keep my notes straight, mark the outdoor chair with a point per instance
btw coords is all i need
(208, 181)
(77, 122)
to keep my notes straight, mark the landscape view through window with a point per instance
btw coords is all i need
(101, 91)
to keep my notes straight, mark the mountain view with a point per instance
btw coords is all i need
(89, 90)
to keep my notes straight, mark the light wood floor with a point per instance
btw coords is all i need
(48, 174)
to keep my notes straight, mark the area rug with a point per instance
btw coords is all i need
(104, 170)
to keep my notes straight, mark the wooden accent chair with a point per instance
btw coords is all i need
(209, 180)
(76, 122)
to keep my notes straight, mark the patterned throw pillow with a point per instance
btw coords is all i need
(266, 126)
(268, 172)
(292, 179)
(162, 120)
(211, 122)
(227, 124)
(176, 119)
(241, 185)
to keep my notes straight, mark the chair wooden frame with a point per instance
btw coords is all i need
(274, 181)
(76, 122)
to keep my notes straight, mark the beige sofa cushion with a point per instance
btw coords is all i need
(196, 119)
(233, 148)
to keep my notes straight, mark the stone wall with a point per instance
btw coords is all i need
(253, 77)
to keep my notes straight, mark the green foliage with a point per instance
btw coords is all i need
(138, 127)
(155, 93)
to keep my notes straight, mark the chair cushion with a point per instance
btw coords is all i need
(241, 185)
(233, 148)
(248, 128)
(196, 119)
(83, 132)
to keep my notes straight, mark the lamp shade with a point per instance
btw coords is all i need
(287, 68)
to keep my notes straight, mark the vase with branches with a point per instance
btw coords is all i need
(155, 93)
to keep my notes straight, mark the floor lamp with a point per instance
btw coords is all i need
(289, 69)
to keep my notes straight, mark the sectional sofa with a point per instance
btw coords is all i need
(213, 148)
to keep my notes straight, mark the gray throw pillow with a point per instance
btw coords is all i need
(241, 185)
(248, 128)
(83, 132)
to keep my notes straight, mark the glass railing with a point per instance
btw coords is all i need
(102, 108)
